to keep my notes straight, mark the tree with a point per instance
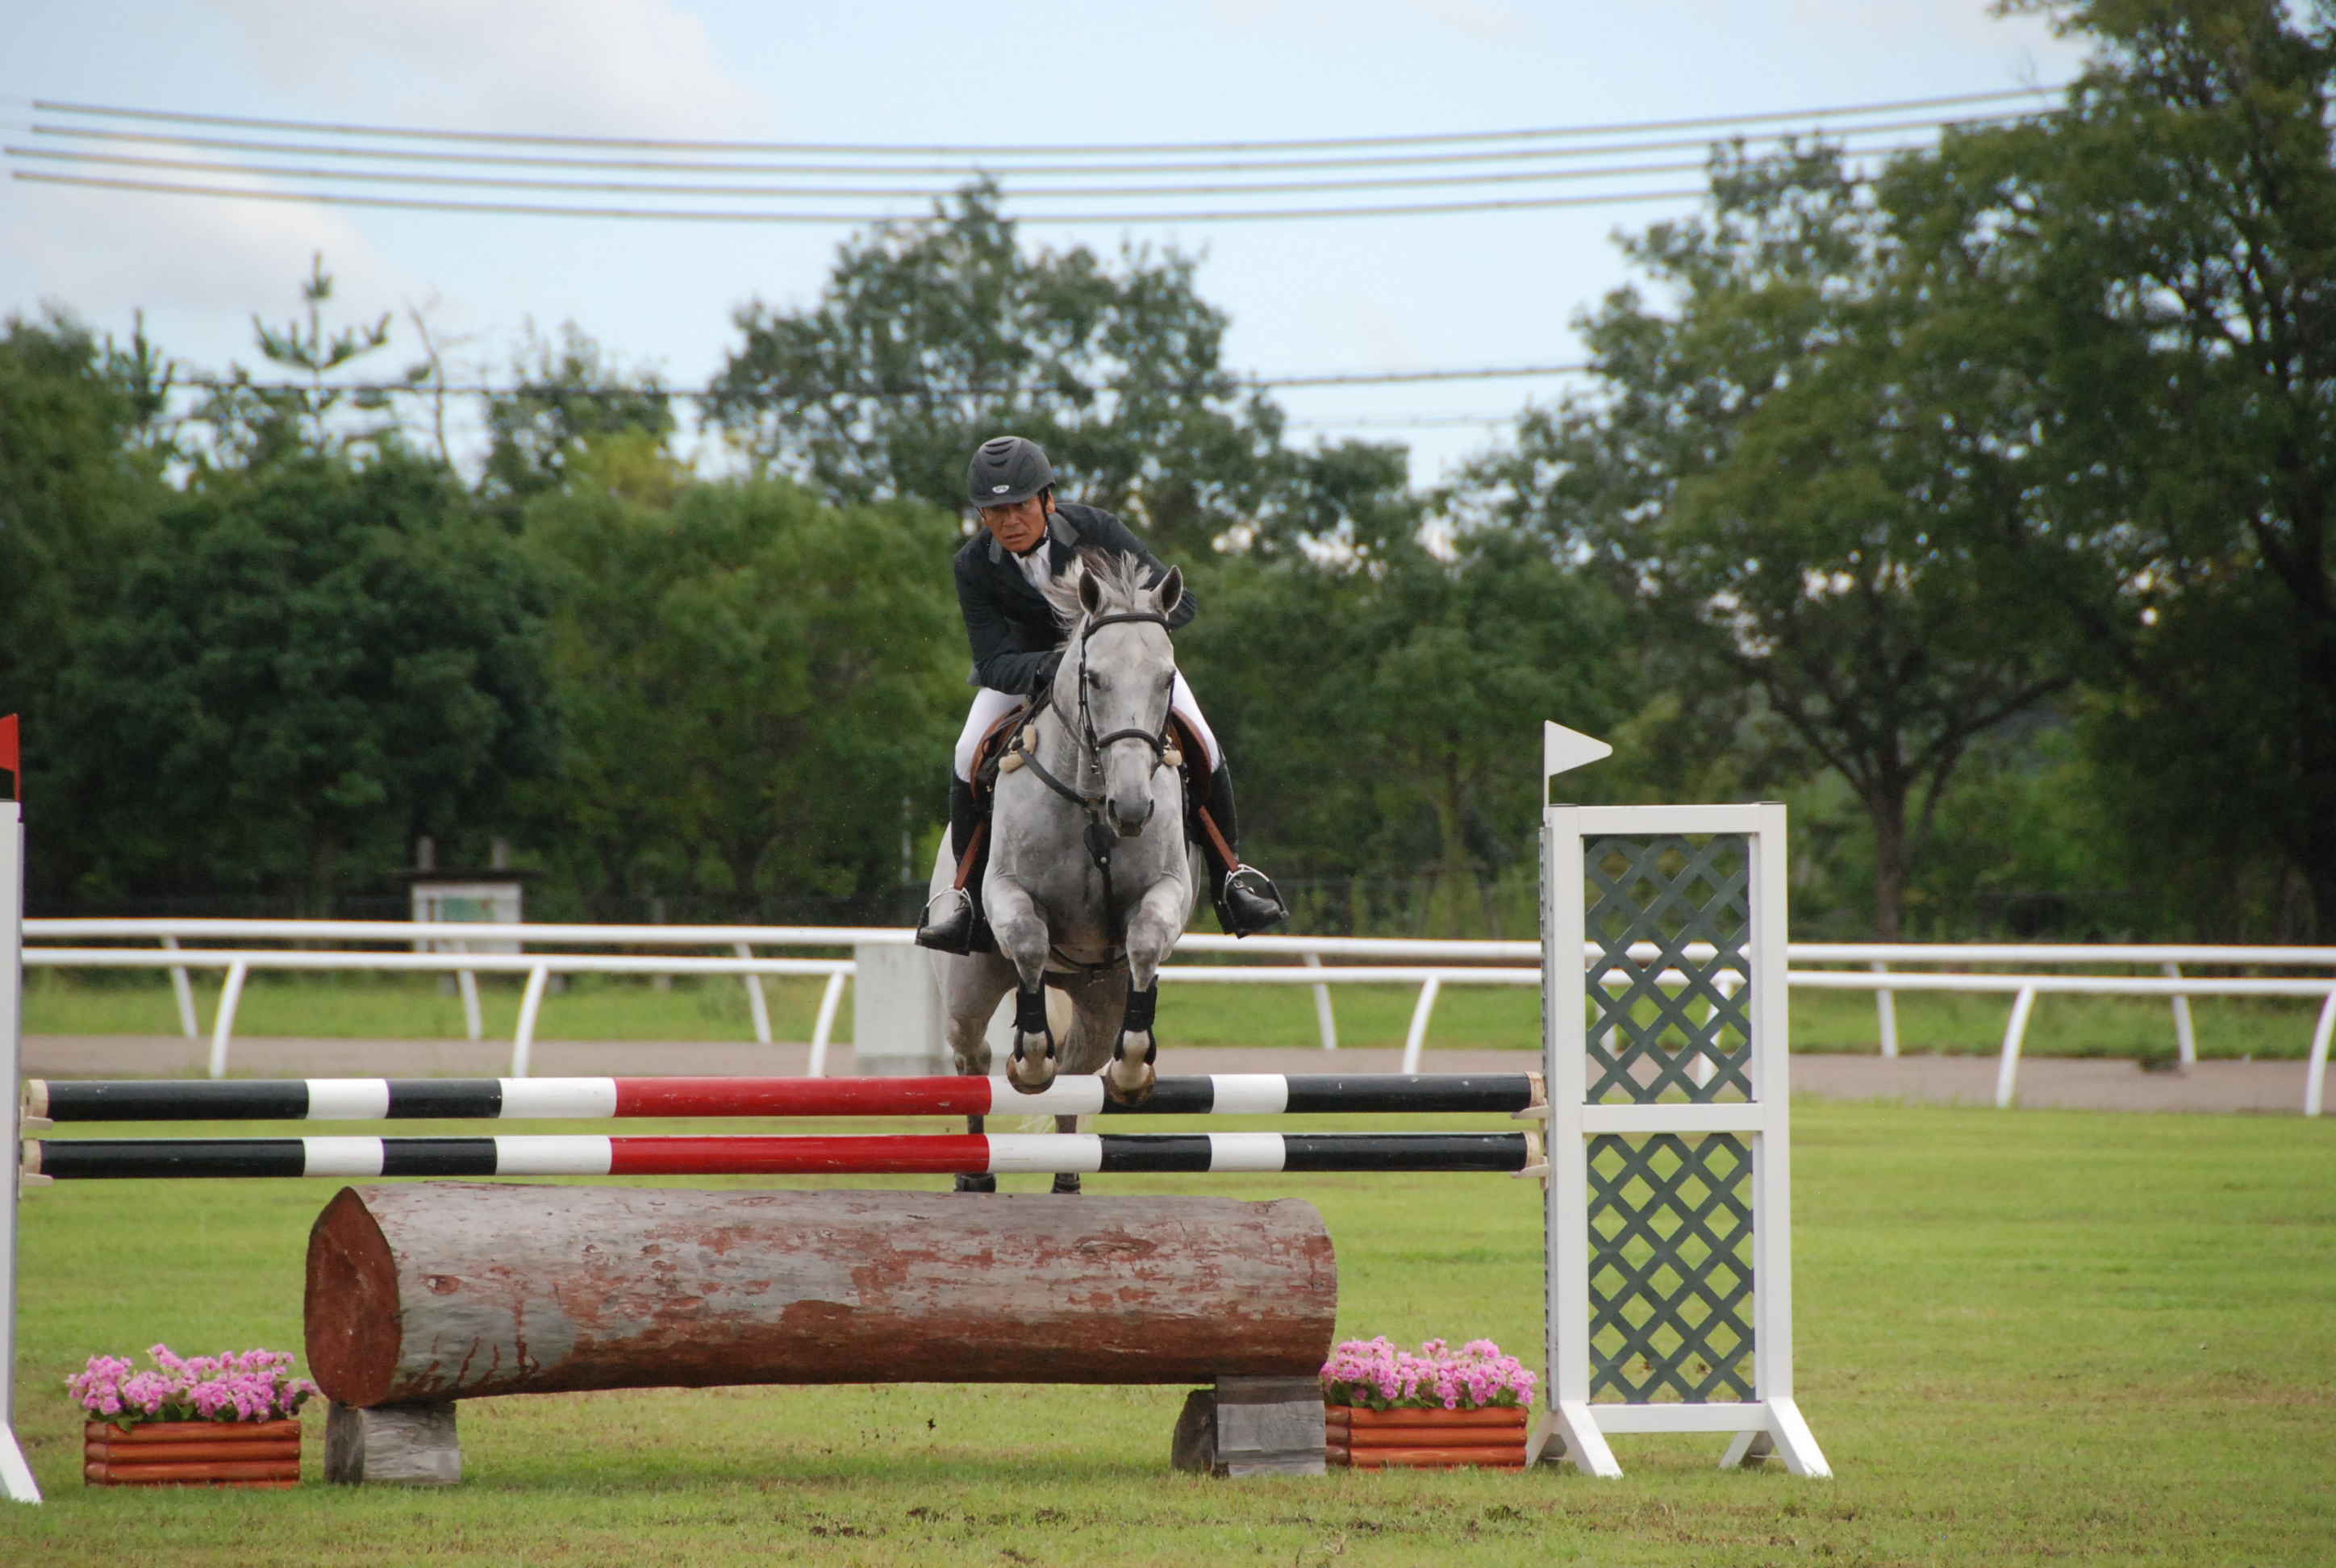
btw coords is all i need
(751, 681)
(319, 661)
(2169, 237)
(1813, 472)
(1384, 704)
(933, 336)
(570, 392)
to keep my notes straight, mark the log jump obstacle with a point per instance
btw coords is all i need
(1667, 1178)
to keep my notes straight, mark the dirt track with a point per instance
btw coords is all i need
(2045, 1082)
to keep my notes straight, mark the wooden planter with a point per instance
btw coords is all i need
(264, 1453)
(1423, 1439)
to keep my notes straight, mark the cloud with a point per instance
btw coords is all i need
(625, 67)
(189, 259)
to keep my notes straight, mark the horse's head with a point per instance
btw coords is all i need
(1116, 676)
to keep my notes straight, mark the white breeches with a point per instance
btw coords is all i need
(990, 707)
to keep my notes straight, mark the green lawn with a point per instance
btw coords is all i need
(594, 1008)
(2020, 1335)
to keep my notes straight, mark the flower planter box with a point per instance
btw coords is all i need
(259, 1454)
(1413, 1439)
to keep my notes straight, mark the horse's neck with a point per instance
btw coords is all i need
(1058, 740)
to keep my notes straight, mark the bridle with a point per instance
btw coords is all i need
(1100, 837)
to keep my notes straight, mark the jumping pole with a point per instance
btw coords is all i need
(916, 1154)
(524, 1099)
(15, 1473)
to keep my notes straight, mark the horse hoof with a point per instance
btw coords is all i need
(1135, 1096)
(1041, 1071)
(965, 1183)
(1066, 1183)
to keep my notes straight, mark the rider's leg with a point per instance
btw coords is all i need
(953, 920)
(1246, 899)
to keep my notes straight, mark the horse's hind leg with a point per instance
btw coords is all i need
(1099, 1000)
(970, 988)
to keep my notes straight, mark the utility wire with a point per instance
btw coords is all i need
(507, 138)
(483, 389)
(967, 170)
(880, 193)
(705, 215)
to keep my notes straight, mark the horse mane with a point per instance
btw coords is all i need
(1121, 578)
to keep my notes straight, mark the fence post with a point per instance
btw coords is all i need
(755, 1003)
(529, 1005)
(1323, 1018)
(1417, 1039)
(2185, 1042)
(468, 983)
(1885, 1013)
(2007, 1072)
(16, 1476)
(184, 989)
(829, 1000)
(223, 1022)
(2315, 1076)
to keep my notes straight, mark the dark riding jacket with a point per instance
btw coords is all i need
(1017, 640)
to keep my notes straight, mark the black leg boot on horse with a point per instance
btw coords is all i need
(1247, 901)
(953, 922)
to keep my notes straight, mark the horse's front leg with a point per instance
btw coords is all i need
(1152, 932)
(1022, 937)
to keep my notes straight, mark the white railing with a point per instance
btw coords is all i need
(1452, 962)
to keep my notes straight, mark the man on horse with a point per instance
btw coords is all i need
(1027, 540)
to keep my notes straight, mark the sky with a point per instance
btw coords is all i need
(1305, 297)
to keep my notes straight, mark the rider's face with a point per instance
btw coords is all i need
(1019, 526)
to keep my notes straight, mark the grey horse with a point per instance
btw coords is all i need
(1089, 785)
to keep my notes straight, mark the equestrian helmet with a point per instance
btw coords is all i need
(1008, 469)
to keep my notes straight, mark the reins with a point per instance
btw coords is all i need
(1099, 836)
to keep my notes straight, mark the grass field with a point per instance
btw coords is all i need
(2022, 1336)
(593, 1008)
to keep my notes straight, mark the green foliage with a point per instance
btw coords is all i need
(1383, 708)
(78, 484)
(751, 682)
(2169, 243)
(1805, 473)
(933, 336)
(316, 661)
(569, 393)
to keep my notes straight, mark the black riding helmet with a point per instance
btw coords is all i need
(1006, 469)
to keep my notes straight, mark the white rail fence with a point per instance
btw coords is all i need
(466, 952)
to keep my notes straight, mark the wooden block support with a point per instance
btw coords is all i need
(1246, 1426)
(450, 1291)
(411, 1444)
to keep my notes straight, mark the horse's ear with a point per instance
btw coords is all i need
(1171, 590)
(1090, 593)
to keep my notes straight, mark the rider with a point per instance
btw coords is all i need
(1028, 538)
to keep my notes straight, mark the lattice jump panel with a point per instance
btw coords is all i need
(1670, 1267)
(1650, 1041)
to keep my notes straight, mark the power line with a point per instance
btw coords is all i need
(703, 214)
(507, 138)
(646, 188)
(483, 389)
(967, 170)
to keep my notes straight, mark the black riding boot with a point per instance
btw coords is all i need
(952, 920)
(1247, 901)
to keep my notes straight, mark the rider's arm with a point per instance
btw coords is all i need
(997, 663)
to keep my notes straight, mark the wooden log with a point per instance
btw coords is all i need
(451, 1291)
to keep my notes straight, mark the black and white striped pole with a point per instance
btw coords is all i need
(16, 1476)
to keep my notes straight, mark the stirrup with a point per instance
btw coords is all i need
(951, 930)
(1249, 903)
